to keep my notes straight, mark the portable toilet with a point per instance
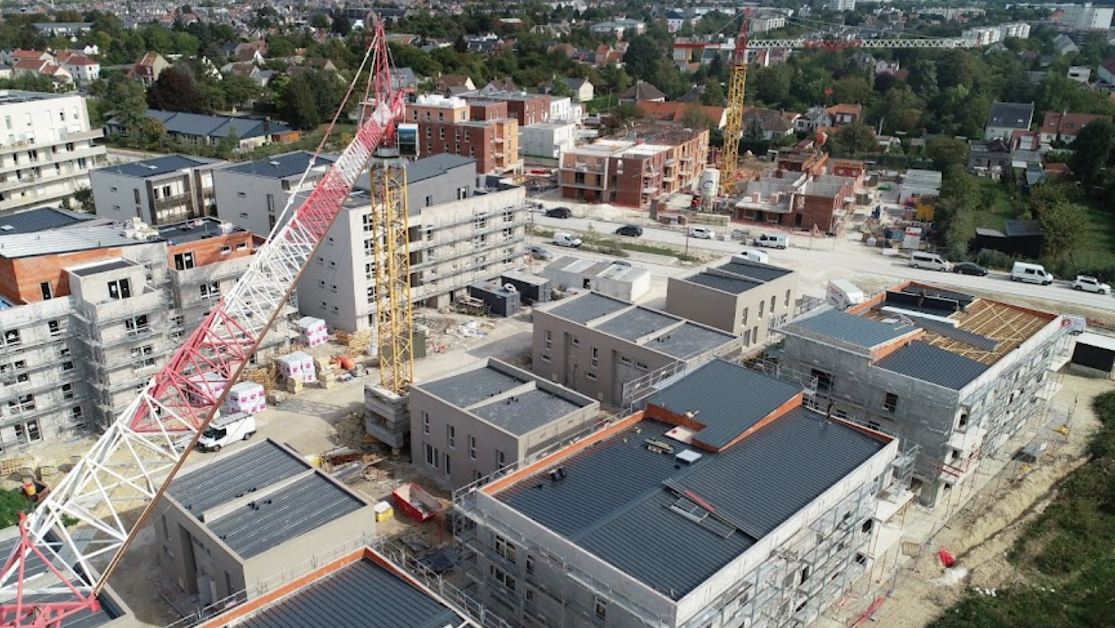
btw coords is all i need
(246, 397)
(312, 331)
(298, 365)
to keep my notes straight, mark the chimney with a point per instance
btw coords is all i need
(267, 125)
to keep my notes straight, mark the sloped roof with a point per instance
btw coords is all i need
(850, 328)
(932, 364)
(1011, 115)
(215, 126)
(642, 90)
(677, 111)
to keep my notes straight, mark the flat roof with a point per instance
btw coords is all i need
(56, 242)
(754, 270)
(731, 284)
(101, 267)
(426, 168)
(197, 229)
(855, 330)
(17, 96)
(526, 412)
(42, 219)
(281, 166)
(636, 323)
(711, 396)
(472, 386)
(584, 308)
(158, 166)
(225, 479)
(360, 594)
(672, 525)
(688, 340)
(932, 364)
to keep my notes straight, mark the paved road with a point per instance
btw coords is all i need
(852, 259)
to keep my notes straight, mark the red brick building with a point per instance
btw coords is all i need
(479, 129)
(525, 107)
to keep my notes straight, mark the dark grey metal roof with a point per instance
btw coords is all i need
(636, 323)
(728, 399)
(852, 329)
(688, 341)
(280, 166)
(436, 165)
(934, 365)
(731, 285)
(616, 496)
(194, 230)
(465, 389)
(755, 270)
(942, 328)
(108, 612)
(362, 594)
(587, 307)
(278, 516)
(225, 479)
(524, 413)
(43, 219)
(1011, 115)
(215, 126)
(103, 267)
(156, 167)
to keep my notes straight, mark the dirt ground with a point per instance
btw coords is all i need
(984, 530)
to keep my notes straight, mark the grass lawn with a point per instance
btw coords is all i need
(1097, 245)
(602, 103)
(997, 205)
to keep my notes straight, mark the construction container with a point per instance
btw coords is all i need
(415, 502)
(500, 300)
(532, 288)
(298, 366)
(246, 397)
(312, 331)
(204, 385)
(384, 511)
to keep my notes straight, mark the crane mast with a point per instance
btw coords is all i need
(56, 571)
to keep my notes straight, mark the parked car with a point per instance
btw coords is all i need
(773, 240)
(226, 430)
(566, 239)
(541, 253)
(559, 212)
(1030, 273)
(930, 261)
(969, 268)
(633, 231)
(703, 233)
(1090, 284)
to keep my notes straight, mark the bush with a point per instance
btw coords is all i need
(989, 258)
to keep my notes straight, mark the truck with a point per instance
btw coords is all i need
(226, 430)
(843, 294)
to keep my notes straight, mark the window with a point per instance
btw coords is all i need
(805, 572)
(501, 460)
(55, 328)
(787, 301)
(747, 338)
(28, 432)
(963, 422)
(549, 340)
(210, 291)
(772, 304)
(506, 549)
(184, 261)
(472, 448)
(451, 436)
(11, 338)
(530, 565)
(824, 380)
(67, 391)
(501, 577)
(574, 342)
(76, 414)
(137, 325)
(601, 608)
(462, 193)
(590, 375)
(595, 357)
(891, 402)
(432, 457)
(447, 472)
(135, 193)
(745, 312)
(545, 357)
(119, 289)
(143, 357)
(225, 250)
(762, 304)
(425, 424)
(48, 292)
(242, 194)
(23, 403)
(67, 366)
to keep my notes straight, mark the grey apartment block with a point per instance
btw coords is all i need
(230, 526)
(595, 344)
(254, 194)
(468, 425)
(46, 148)
(742, 297)
(637, 525)
(159, 191)
(916, 363)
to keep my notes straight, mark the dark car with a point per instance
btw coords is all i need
(559, 212)
(630, 230)
(969, 268)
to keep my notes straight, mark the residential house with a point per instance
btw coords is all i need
(49, 69)
(679, 113)
(1006, 117)
(63, 29)
(1079, 74)
(1064, 127)
(642, 91)
(250, 71)
(404, 79)
(450, 84)
(547, 139)
(81, 68)
(773, 124)
(481, 129)
(148, 68)
(12, 57)
(1064, 45)
(813, 119)
(800, 200)
(205, 130)
(499, 85)
(619, 27)
(254, 51)
(844, 114)
(159, 191)
(1106, 71)
(989, 157)
(254, 194)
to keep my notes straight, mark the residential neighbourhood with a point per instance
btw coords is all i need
(557, 314)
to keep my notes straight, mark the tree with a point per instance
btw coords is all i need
(923, 79)
(83, 196)
(1091, 150)
(714, 94)
(176, 90)
(946, 151)
(341, 24)
(755, 130)
(641, 58)
(124, 100)
(239, 89)
(296, 104)
(624, 114)
(319, 20)
(1063, 224)
(11, 504)
(695, 118)
(771, 86)
(560, 89)
(852, 89)
(853, 139)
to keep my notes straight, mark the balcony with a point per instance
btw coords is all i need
(67, 137)
(670, 163)
(581, 166)
(47, 158)
(650, 189)
(583, 184)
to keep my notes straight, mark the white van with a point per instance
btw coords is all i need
(566, 239)
(227, 430)
(1030, 273)
(773, 240)
(929, 261)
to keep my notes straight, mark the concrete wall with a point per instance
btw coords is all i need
(250, 201)
(115, 196)
(334, 286)
(468, 429)
(750, 314)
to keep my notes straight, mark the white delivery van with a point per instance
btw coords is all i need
(843, 294)
(929, 261)
(1030, 273)
(773, 240)
(566, 239)
(226, 430)
(756, 256)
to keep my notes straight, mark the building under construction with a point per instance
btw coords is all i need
(955, 374)
(722, 502)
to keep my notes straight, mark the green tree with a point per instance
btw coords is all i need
(852, 89)
(319, 20)
(771, 86)
(295, 102)
(641, 58)
(695, 118)
(1063, 224)
(176, 90)
(341, 24)
(1092, 149)
(560, 89)
(239, 90)
(946, 151)
(124, 100)
(714, 94)
(923, 79)
(12, 503)
(83, 196)
(853, 139)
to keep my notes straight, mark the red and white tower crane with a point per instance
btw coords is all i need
(57, 571)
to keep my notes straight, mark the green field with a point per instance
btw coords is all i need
(996, 201)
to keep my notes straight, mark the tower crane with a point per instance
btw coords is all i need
(737, 81)
(57, 571)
